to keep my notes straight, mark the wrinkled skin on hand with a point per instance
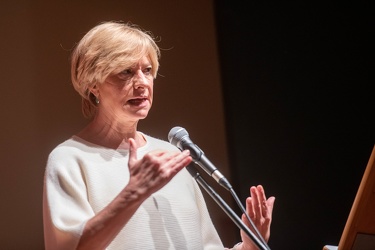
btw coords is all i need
(155, 169)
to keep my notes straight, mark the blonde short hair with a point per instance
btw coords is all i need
(109, 47)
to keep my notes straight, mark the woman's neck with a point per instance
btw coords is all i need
(111, 135)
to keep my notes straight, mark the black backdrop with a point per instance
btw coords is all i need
(299, 103)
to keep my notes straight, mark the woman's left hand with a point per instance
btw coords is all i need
(259, 209)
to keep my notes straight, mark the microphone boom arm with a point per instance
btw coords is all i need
(231, 214)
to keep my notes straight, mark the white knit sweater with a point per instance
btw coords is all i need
(82, 178)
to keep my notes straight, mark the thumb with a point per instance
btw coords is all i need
(132, 151)
(270, 203)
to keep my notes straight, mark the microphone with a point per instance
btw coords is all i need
(179, 137)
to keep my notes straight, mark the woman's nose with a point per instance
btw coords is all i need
(140, 80)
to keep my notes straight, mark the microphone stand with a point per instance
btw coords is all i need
(232, 215)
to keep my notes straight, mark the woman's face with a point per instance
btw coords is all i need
(127, 96)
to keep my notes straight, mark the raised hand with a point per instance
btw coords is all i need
(259, 209)
(155, 169)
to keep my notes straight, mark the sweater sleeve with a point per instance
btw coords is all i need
(65, 204)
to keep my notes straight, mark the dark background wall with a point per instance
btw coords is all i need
(299, 107)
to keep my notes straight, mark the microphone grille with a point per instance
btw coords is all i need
(176, 134)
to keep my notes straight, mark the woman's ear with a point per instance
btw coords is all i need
(94, 90)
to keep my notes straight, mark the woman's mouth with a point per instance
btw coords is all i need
(137, 101)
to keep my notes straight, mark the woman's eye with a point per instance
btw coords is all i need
(126, 72)
(147, 71)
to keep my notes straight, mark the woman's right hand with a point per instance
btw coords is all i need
(155, 169)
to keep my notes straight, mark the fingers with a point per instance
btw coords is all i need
(259, 209)
(256, 200)
(165, 163)
(132, 151)
(181, 160)
(267, 204)
(269, 208)
(257, 205)
(169, 162)
(253, 204)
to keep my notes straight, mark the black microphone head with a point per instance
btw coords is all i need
(176, 134)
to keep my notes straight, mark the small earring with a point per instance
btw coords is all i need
(97, 101)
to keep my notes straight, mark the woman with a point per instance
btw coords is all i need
(113, 187)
